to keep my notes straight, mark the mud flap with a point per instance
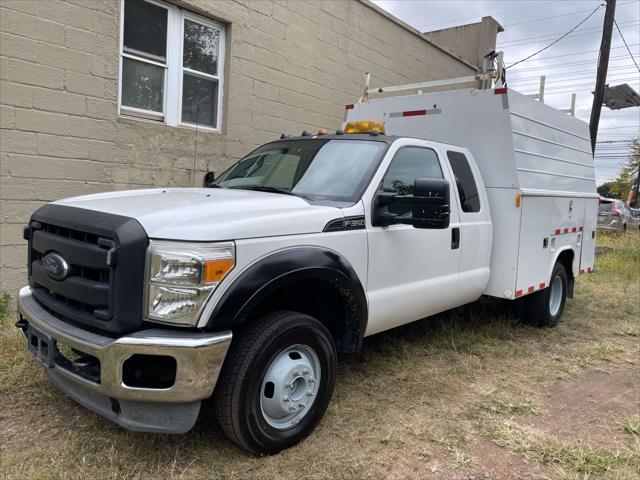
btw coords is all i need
(570, 283)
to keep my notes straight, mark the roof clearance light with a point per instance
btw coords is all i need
(366, 126)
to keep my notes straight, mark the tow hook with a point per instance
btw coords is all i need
(22, 324)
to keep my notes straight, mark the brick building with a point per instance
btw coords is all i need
(110, 94)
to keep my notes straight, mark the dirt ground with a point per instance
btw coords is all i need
(474, 396)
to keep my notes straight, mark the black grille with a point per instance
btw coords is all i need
(105, 254)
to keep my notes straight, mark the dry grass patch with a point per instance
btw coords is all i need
(630, 425)
(576, 457)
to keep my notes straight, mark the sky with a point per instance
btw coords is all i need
(569, 65)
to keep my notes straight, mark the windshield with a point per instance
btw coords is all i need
(605, 207)
(316, 169)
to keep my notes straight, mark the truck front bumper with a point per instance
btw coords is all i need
(101, 374)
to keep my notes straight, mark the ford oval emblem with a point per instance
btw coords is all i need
(55, 266)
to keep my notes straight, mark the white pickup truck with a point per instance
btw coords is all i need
(143, 303)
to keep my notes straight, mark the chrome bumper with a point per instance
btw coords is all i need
(199, 357)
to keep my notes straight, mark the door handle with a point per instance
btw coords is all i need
(455, 238)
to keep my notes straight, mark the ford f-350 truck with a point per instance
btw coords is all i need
(141, 304)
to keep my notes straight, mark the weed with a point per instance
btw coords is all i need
(630, 425)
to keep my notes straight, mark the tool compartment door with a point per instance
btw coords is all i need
(549, 226)
(534, 252)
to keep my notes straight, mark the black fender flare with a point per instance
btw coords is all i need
(284, 267)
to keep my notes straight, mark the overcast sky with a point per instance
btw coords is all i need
(570, 65)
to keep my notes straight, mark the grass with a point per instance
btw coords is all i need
(573, 456)
(630, 425)
(450, 396)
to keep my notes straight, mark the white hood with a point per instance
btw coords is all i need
(211, 214)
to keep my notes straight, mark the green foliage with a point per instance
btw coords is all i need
(619, 188)
(604, 190)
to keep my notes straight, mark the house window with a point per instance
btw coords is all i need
(171, 65)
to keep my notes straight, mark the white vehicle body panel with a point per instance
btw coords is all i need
(522, 147)
(211, 214)
(414, 273)
(350, 244)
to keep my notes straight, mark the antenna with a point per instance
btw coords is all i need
(195, 147)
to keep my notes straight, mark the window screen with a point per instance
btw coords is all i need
(466, 184)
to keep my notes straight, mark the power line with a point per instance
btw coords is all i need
(557, 40)
(572, 54)
(475, 17)
(542, 38)
(554, 87)
(625, 44)
(573, 76)
(545, 18)
(557, 16)
(561, 65)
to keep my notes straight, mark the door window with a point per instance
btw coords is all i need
(408, 165)
(465, 183)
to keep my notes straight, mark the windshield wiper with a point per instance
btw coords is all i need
(264, 188)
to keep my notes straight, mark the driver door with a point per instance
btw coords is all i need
(412, 273)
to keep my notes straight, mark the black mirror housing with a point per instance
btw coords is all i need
(208, 180)
(430, 203)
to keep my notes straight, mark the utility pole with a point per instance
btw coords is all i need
(601, 78)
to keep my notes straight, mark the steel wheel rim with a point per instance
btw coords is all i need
(555, 296)
(290, 386)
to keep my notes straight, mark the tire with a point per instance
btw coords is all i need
(545, 307)
(289, 342)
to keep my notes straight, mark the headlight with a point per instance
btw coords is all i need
(182, 275)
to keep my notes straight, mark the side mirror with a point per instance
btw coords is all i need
(208, 180)
(430, 203)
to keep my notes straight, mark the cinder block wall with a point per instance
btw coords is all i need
(291, 65)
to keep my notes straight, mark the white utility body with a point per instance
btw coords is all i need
(523, 148)
(247, 289)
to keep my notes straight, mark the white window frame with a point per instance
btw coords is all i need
(174, 70)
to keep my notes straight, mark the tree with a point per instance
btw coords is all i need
(604, 190)
(628, 173)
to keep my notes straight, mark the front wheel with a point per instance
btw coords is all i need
(276, 382)
(545, 307)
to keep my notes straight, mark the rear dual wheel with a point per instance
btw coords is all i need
(276, 382)
(545, 307)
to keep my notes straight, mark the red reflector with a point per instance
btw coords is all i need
(582, 270)
(541, 286)
(414, 113)
(566, 230)
(581, 229)
(349, 107)
(574, 229)
(500, 91)
(557, 231)
(589, 270)
(531, 289)
(518, 293)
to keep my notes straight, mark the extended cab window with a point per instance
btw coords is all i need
(409, 164)
(465, 183)
(317, 169)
